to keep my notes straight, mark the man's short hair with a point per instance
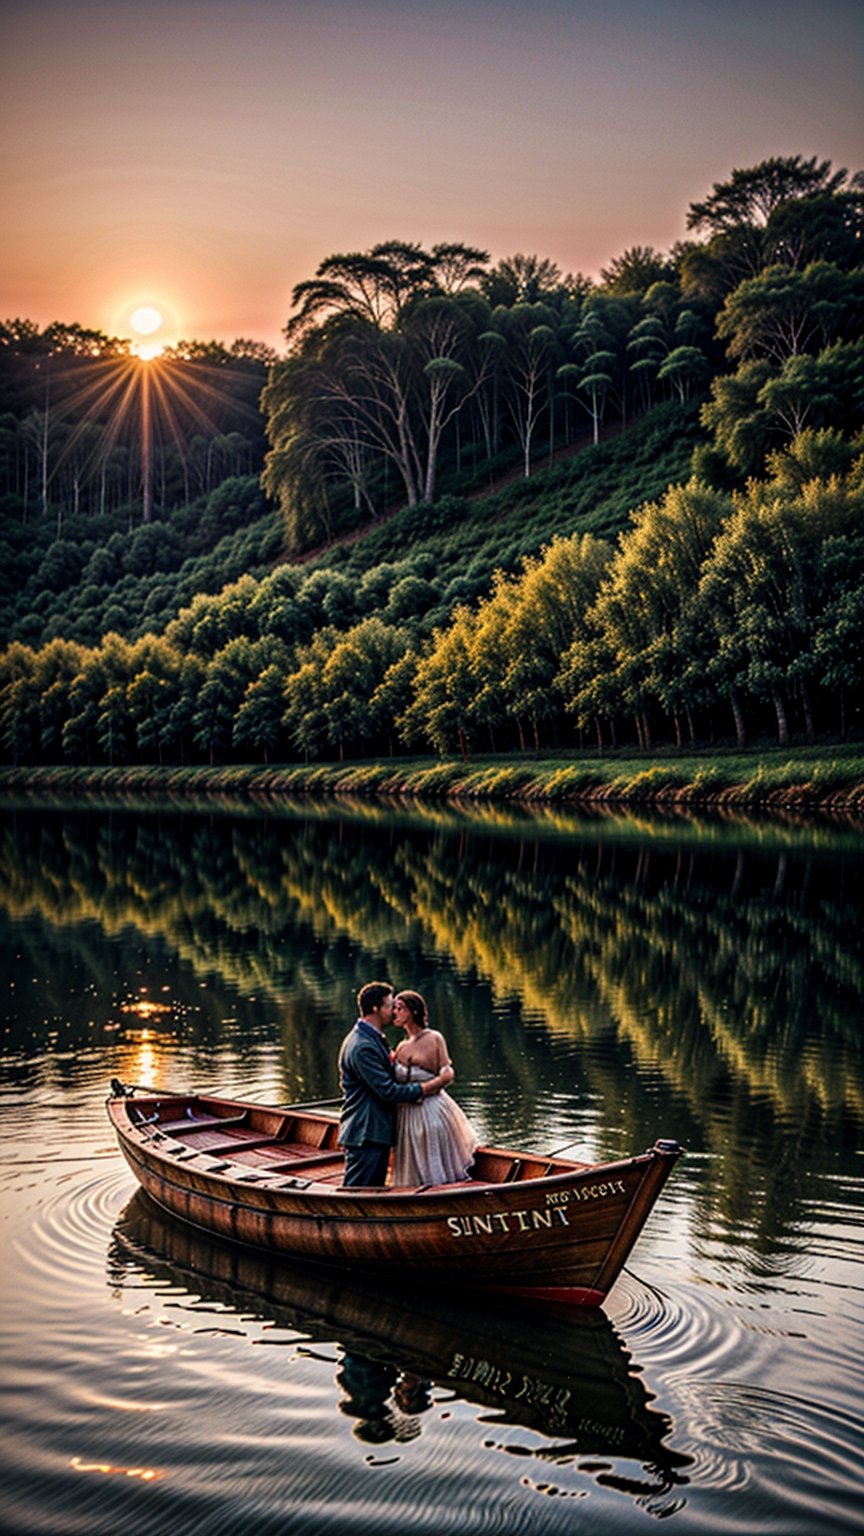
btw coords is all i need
(372, 996)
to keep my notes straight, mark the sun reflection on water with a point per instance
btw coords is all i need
(145, 1008)
(146, 1474)
(146, 1047)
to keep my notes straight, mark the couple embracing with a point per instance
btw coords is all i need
(399, 1099)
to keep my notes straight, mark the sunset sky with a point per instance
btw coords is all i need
(202, 156)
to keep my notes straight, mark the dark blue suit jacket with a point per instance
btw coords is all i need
(369, 1089)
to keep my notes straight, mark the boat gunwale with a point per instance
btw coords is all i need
(385, 1197)
(306, 1210)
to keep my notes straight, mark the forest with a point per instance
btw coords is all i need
(472, 508)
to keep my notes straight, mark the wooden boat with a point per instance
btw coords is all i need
(271, 1177)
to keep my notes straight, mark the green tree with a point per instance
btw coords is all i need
(828, 227)
(736, 212)
(18, 702)
(152, 695)
(352, 673)
(529, 332)
(643, 608)
(303, 715)
(228, 675)
(258, 721)
(444, 688)
(391, 697)
(549, 602)
(522, 279)
(817, 390)
(96, 724)
(486, 708)
(685, 368)
(593, 376)
(761, 406)
(380, 348)
(767, 584)
(783, 311)
(838, 645)
(112, 721)
(635, 270)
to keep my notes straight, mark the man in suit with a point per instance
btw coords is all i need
(369, 1090)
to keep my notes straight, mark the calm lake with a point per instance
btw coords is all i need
(602, 981)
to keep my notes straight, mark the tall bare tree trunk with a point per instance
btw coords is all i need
(738, 716)
(782, 722)
(808, 711)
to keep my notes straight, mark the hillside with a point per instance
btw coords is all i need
(100, 577)
(451, 568)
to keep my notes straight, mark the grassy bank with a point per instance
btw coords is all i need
(830, 777)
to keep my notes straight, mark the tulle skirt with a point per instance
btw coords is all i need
(435, 1142)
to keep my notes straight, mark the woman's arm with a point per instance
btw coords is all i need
(435, 1084)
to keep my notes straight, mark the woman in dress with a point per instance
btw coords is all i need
(435, 1141)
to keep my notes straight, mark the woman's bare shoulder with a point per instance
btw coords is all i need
(440, 1044)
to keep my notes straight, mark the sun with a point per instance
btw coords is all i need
(145, 321)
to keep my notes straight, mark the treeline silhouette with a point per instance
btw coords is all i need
(71, 430)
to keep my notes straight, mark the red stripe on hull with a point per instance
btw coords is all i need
(564, 1295)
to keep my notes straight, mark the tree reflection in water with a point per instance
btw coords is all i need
(703, 980)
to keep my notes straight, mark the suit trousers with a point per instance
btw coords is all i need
(367, 1164)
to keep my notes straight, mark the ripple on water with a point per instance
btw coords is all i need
(788, 1452)
(65, 1242)
(795, 1451)
(699, 1349)
(681, 1331)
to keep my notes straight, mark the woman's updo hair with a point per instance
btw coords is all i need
(416, 1006)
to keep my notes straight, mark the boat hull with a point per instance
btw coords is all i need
(560, 1238)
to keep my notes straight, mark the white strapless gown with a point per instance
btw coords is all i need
(435, 1140)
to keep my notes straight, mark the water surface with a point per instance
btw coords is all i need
(602, 981)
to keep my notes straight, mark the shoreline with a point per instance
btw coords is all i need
(801, 778)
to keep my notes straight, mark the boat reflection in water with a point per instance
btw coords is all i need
(568, 1377)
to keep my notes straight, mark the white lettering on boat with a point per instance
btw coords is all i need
(506, 1221)
(586, 1192)
(490, 1224)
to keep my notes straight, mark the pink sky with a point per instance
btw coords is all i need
(203, 156)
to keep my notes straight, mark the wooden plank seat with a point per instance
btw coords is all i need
(318, 1159)
(199, 1123)
(243, 1144)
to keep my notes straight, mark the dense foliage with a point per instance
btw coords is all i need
(406, 365)
(404, 361)
(712, 607)
(696, 574)
(103, 576)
